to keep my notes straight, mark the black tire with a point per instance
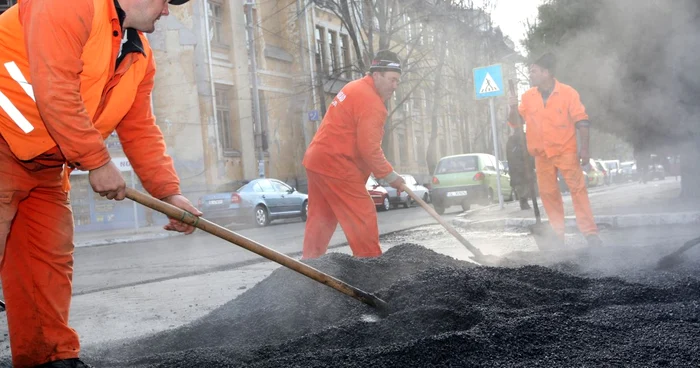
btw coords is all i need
(386, 205)
(426, 198)
(490, 197)
(304, 211)
(261, 216)
(440, 210)
(408, 203)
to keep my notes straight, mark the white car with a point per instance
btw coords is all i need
(402, 199)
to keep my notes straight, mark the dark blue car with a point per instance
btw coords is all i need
(258, 201)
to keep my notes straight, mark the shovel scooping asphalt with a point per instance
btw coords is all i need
(478, 256)
(674, 258)
(174, 212)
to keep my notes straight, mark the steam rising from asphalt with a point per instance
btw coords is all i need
(636, 68)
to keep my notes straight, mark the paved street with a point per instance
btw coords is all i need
(120, 265)
(127, 290)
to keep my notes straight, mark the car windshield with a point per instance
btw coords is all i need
(611, 165)
(458, 164)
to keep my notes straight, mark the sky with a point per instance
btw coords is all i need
(511, 16)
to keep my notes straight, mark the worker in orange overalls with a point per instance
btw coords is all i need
(70, 74)
(340, 158)
(553, 113)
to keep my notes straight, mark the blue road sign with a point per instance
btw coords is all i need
(313, 115)
(488, 81)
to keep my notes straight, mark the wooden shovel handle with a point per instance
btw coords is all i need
(255, 247)
(477, 253)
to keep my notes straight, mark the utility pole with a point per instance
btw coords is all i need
(256, 94)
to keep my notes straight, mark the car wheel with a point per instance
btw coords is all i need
(304, 210)
(262, 216)
(439, 209)
(386, 205)
(408, 203)
(491, 196)
(426, 198)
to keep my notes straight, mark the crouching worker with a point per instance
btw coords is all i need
(344, 152)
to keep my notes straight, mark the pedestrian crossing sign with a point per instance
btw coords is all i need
(488, 81)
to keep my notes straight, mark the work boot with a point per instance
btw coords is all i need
(594, 240)
(65, 363)
(524, 205)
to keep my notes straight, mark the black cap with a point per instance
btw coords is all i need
(547, 61)
(385, 61)
(177, 2)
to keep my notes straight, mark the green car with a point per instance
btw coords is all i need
(468, 179)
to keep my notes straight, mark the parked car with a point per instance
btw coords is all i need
(259, 201)
(614, 170)
(595, 175)
(607, 179)
(628, 171)
(563, 187)
(379, 195)
(656, 171)
(467, 179)
(402, 198)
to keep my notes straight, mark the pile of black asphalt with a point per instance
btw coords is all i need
(445, 313)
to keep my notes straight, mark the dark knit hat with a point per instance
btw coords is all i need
(177, 2)
(385, 61)
(547, 61)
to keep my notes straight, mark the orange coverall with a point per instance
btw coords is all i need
(344, 152)
(56, 110)
(551, 139)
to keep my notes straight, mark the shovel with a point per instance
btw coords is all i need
(174, 212)
(674, 258)
(477, 255)
(544, 235)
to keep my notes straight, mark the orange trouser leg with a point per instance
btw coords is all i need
(354, 210)
(549, 192)
(320, 221)
(36, 246)
(570, 169)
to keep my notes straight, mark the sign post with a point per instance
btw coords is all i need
(488, 83)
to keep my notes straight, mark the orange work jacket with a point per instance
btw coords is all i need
(551, 128)
(60, 91)
(348, 144)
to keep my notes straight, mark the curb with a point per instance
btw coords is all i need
(604, 221)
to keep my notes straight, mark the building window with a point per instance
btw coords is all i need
(345, 56)
(216, 24)
(224, 118)
(403, 147)
(419, 148)
(320, 49)
(332, 43)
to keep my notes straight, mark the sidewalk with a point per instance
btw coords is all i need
(620, 206)
(89, 239)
